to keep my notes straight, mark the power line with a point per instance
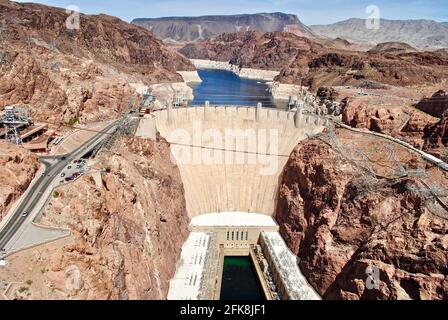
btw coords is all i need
(97, 131)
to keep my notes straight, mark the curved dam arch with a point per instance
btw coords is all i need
(230, 158)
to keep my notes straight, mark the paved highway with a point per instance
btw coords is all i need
(52, 171)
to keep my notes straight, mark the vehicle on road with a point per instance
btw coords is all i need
(69, 167)
(62, 174)
(24, 214)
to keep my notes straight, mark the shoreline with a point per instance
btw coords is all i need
(278, 91)
(165, 93)
(283, 91)
(248, 73)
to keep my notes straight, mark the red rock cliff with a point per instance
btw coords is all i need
(338, 228)
(304, 61)
(83, 73)
(17, 169)
(127, 234)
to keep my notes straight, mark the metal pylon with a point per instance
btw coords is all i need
(12, 135)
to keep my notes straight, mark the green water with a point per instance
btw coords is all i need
(239, 280)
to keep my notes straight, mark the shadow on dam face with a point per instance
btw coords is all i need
(239, 280)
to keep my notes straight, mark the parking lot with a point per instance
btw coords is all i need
(72, 171)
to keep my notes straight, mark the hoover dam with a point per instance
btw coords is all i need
(230, 159)
(232, 156)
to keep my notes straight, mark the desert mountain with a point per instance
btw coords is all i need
(420, 34)
(85, 73)
(393, 47)
(303, 60)
(187, 29)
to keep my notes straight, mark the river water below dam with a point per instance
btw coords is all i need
(239, 280)
(226, 88)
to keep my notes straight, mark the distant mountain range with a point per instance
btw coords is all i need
(420, 34)
(188, 29)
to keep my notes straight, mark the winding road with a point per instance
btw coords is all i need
(54, 165)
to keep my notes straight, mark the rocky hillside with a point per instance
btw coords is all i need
(188, 29)
(420, 34)
(436, 134)
(127, 229)
(302, 60)
(403, 123)
(18, 167)
(436, 138)
(425, 129)
(340, 224)
(436, 105)
(86, 73)
(270, 51)
(393, 48)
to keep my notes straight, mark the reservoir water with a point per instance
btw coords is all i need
(226, 88)
(239, 280)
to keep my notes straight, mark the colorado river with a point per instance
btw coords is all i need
(226, 88)
(239, 280)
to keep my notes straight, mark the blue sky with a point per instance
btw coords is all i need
(309, 11)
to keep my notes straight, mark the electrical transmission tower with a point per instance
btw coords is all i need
(359, 161)
(399, 169)
(13, 119)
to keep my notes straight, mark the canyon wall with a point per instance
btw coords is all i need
(308, 62)
(82, 74)
(403, 123)
(18, 167)
(425, 129)
(127, 228)
(248, 73)
(339, 226)
(435, 105)
(187, 29)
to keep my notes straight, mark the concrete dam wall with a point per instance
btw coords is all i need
(230, 158)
